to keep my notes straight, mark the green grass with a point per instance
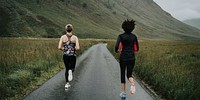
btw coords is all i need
(27, 63)
(172, 68)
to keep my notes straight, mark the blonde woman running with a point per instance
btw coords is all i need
(69, 44)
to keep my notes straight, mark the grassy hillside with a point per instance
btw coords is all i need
(91, 19)
(193, 22)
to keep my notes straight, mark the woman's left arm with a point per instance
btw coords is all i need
(60, 44)
(117, 44)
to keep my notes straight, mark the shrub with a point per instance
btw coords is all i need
(84, 5)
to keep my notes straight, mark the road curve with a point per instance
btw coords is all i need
(97, 77)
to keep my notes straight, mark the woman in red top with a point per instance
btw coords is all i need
(127, 45)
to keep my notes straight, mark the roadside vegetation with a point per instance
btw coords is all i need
(171, 68)
(25, 64)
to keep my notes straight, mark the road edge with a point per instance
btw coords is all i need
(147, 88)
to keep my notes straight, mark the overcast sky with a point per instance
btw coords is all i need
(181, 9)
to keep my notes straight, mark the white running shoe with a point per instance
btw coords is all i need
(70, 77)
(132, 90)
(67, 85)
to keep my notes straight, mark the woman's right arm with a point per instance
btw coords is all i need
(77, 44)
(137, 44)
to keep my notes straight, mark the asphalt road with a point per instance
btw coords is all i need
(97, 77)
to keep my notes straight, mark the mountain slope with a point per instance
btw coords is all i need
(90, 18)
(193, 22)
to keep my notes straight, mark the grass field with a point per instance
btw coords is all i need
(171, 68)
(27, 63)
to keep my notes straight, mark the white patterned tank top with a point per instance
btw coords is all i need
(69, 47)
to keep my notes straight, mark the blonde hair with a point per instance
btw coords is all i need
(68, 27)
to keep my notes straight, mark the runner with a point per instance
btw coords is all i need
(127, 44)
(69, 44)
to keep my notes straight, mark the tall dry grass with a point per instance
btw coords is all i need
(172, 68)
(27, 63)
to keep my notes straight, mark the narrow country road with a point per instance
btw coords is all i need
(97, 77)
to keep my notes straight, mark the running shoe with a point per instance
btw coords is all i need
(122, 95)
(70, 77)
(132, 90)
(67, 85)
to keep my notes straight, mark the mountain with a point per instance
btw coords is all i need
(193, 22)
(90, 18)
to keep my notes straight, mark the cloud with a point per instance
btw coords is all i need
(186, 14)
(181, 9)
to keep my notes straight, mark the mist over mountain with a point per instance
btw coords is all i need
(193, 22)
(90, 18)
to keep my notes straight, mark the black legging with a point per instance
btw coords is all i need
(70, 63)
(129, 65)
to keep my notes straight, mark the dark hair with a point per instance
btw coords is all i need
(128, 26)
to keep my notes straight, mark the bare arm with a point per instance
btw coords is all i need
(60, 45)
(77, 44)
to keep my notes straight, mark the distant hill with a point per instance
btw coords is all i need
(90, 18)
(193, 22)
